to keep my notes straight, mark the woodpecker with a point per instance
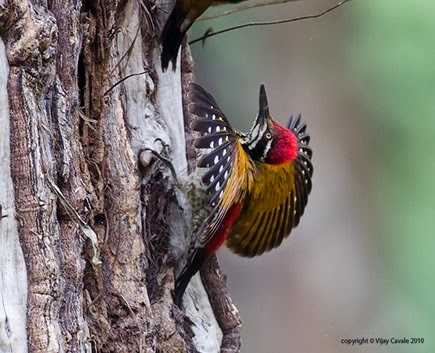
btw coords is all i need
(258, 182)
(182, 16)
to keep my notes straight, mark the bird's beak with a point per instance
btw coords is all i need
(263, 113)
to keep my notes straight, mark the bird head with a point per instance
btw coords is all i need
(268, 141)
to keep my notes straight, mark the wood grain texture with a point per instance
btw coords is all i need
(94, 143)
(13, 276)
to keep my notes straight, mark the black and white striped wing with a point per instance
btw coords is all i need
(303, 166)
(217, 136)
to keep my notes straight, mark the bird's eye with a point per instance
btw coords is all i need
(268, 136)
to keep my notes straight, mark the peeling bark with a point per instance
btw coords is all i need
(95, 198)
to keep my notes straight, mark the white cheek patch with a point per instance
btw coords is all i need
(256, 135)
(266, 150)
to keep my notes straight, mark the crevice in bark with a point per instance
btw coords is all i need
(81, 84)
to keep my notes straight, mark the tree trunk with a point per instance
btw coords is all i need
(95, 215)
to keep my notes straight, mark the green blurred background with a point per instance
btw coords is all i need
(361, 263)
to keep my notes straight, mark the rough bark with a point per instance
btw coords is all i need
(93, 154)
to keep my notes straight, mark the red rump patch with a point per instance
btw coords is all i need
(285, 148)
(218, 239)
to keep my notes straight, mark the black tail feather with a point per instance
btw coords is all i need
(194, 263)
(171, 39)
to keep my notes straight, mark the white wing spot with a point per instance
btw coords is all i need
(212, 178)
(216, 159)
(226, 174)
(221, 168)
(209, 129)
(212, 144)
(224, 152)
(213, 117)
(221, 193)
(218, 186)
(218, 128)
(220, 141)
